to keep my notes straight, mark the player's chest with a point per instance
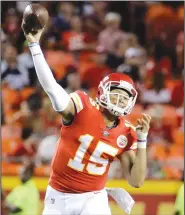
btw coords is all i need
(103, 141)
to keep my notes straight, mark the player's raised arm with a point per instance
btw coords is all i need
(135, 166)
(61, 101)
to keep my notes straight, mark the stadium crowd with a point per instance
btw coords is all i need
(83, 42)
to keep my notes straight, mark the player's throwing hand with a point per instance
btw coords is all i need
(143, 124)
(29, 36)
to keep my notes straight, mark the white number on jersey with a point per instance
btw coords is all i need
(93, 169)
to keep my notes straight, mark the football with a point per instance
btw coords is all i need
(35, 17)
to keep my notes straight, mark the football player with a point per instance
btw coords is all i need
(92, 136)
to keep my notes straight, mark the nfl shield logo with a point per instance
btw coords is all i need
(105, 133)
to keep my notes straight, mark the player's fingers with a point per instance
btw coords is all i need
(147, 117)
(145, 122)
(40, 31)
(139, 121)
(139, 127)
(139, 124)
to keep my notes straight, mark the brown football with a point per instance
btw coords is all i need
(35, 17)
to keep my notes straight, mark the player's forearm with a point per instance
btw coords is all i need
(56, 93)
(44, 73)
(138, 170)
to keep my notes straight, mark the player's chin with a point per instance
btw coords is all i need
(114, 112)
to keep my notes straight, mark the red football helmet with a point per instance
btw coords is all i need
(120, 81)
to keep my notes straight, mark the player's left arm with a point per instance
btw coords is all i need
(135, 164)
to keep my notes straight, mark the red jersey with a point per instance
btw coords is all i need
(86, 148)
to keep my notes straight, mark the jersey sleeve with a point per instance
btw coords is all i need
(80, 99)
(132, 137)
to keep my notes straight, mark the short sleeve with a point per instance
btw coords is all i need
(79, 98)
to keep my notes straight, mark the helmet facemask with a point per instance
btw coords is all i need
(105, 101)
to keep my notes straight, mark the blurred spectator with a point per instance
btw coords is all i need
(116, 58)
(46, 149)
(155, 169)
(42, 119)
(3, 36)
(76, 40)
(23, 148)
(22, 5)
(130, 70)
(73, 39)
(158, 93)
(12, 28)
(13, 72)
(174, 162)
(160, 132)
(115, 171)
(11, 25)
(61, 22)
(180, 50)
(92, 27)
(30, 112)
(2, 114)
(96, 9)
(127, 51)
(158, 60)
(135, 56)
(100, 9)
(177, 94)
(107, 42)
(94, 74)
(25, 59)
(65, 12)
(51, 119)
(24, 197)
(73, 80)
(162, 23)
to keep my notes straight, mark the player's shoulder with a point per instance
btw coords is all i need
(79, 94)
(130, 129)
(79, 98)
(129, 125)
(82, 100)
(130, 134)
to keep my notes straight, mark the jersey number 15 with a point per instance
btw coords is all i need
(93, 169)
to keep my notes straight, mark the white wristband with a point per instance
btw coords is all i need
(141, 144)
(141, 135)
(35, 49)
(141, 140)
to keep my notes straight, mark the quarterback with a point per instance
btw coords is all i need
(92, 136)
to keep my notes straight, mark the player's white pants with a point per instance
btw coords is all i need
(90, 203)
